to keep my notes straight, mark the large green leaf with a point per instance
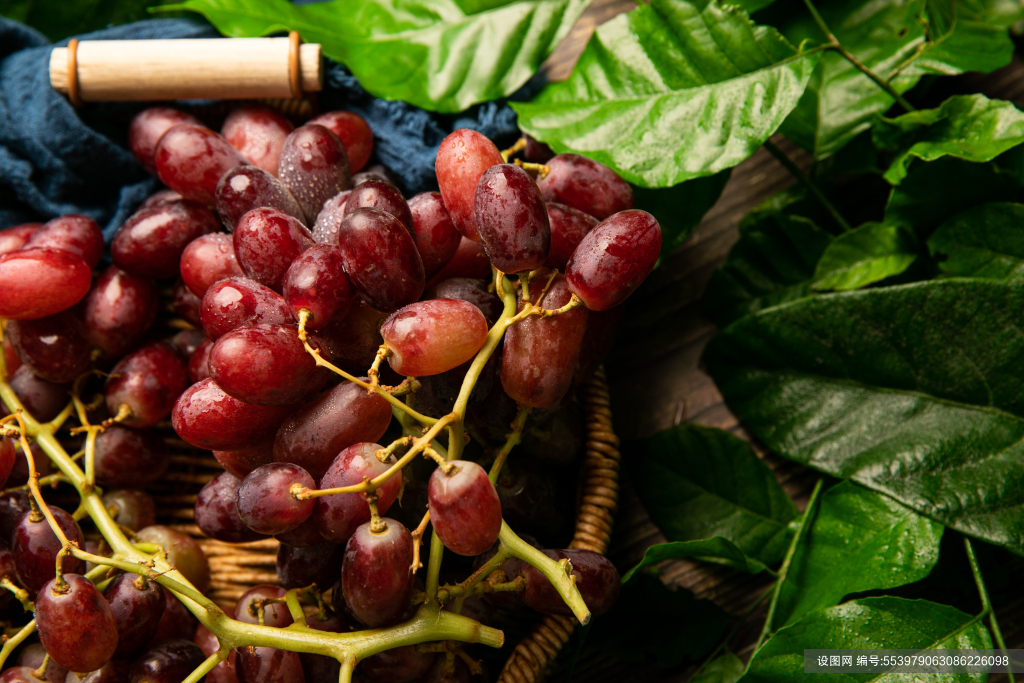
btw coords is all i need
(773, 261)
(868, 624)
(986, 241)
(671, 91)
(916, 391)
(969, 127)
(697, 482)
(717, 549)
(679, 209)
(441, 55)
(889, 38)
(868, 254)
(859, 541)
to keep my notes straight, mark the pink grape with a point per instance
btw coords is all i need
(375, 575)
(316, 281)
(13, 239)
(461, 159)
(585, 185)
(151, 241)
(431, 337)
(258, 133)
(237, 302)
(339, 515)
(74, 233)
(469, 261)
(437, 240)
(41, 282)
(266, 243)
(464, 508)
(568, 228)
(208, 259)
(206, 417)
(354, 133)
(148, 127)
(191, 159)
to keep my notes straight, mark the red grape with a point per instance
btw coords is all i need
(381, 259)
(437, 240)
(127, 457)
(568, 228)
(76, 626)
(35, 549)
(137, 605)
(13, 239)
(208, 259)
(185, 304)
(238, 302)
(169, 662)
(7, 458)
(216, 511)
(274, 614)
(245, 188)
(191, 159)
(317, 282)
(266, 365)
(536, 151)
(266, 243)
(20, 674)
(151, 241)
(41, 282)
(53, 348)
(208, 418)
(335, 420)
(461, 159)
(265, 500)
(148, 127)
(258, 133)
(354, 133)
(73, 233)
(302, 536)
(464, 508)
(199, 362)
(118, 310)
(148, 381)
(300, 567)
(33, 655)
(159, 197)
(11, 359)
(43, 400)
(242, 462)
(268, 665)
(540, 354)
(398, 665)
(182, 551)
(314, 167)
(511, 219)
(585, 185)
(376, 576)
(469, 261)
(473, 291)
(431, 337)
(328, 221)
(131, 508)
(339, 514)
(177, 622)
(353, 342)
(596, 578)
(377, 194)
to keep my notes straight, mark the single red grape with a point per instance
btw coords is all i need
(53, 348)
(7, 458)
(585, 185)
(475, 292)
(151, 241)
(258, 133)
(300, 567)
(185, 304)
(461, 159)
(464, 508)
(148, 381)
(469, 261)
(316, 281)
(43, 400)
(183, 552)
(127, 457)
(148, 127)
(216, 511)
(568, 228)
(13, 239)
(245, 188)
(437, 240)
(35, 548)
(354, 133)
(41, 282)
(274, 614)
(335, 420)
(614, 258)
(131, 508)
(199, 362)
(208, 259)
(376, 575)
(539, 355)
(242, 462)
(118, 310)
(328, 221)
(176, 622)
(11, 359)
(76, 626)
(169, 662)
(353, 342)
(73, 233)
(159, 197)
(208, 418)
(191, 159)
(381, 259)
(314, 167)
(511, 219)
(340, 514)
(596, 579)
(268, 665)
(266, 243)
(137, 605)
(377, 194)
(238, 302)
(431, 337)
(537, 152)
(265, 500)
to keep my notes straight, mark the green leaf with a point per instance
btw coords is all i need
(717, 549)
(773, 261)
(859, 541)
(969, 127)
(916, 391)
(986, 242)
(726, 669)
(671, 91)
(58, 19)
(871, 623)
(868, 254)
(841, 101)
(675, 627)
(933, 192)
(679, 209)
(441, 55)
(697, 482)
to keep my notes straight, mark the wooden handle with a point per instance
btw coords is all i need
(228, 68)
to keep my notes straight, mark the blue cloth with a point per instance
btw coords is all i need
(55, 159)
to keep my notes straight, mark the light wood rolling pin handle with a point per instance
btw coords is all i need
(216, 68)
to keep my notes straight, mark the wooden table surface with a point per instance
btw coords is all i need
(653, 393)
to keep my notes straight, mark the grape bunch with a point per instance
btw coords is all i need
(361, 365)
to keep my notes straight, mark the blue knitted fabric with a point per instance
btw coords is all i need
(55, 159)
